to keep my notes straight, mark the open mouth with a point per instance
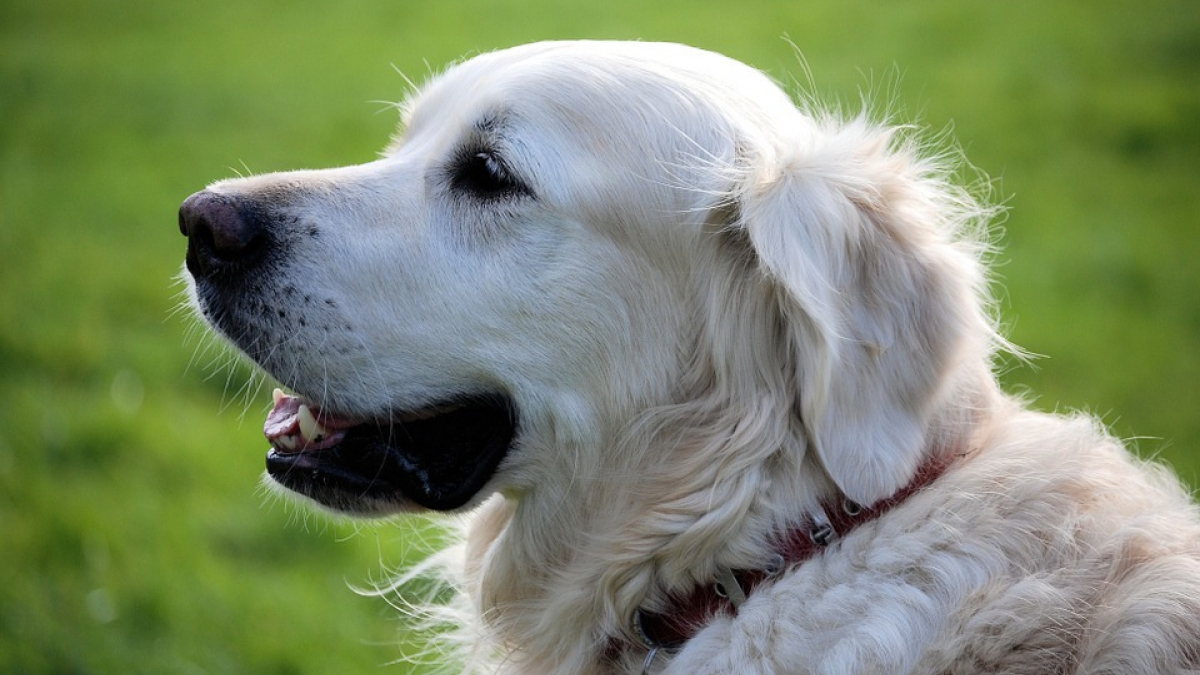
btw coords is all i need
(437, 457)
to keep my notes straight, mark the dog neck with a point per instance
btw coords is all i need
(590, 581)
(670, 628)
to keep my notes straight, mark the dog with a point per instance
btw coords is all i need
(710, 372)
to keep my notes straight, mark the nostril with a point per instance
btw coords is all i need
(220, 231)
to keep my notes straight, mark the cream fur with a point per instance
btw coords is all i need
(716, 308)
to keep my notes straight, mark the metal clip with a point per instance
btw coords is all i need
(822, 531)
(727, 586)
(775, 567)
(649, 660)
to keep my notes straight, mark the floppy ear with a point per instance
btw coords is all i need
(875, 297)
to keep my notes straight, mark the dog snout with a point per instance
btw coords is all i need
(224, 233)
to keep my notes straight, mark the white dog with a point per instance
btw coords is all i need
(723, 367)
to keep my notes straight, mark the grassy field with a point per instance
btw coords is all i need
(135, 536)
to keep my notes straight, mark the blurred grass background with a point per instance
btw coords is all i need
(133, 535)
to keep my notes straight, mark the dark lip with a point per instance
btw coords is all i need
(440, 463)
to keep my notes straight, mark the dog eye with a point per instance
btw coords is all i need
(485, 176)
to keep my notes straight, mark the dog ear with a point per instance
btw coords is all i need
(856, 238)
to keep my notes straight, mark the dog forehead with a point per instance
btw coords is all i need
(590, 60)
(587, 82)
(597, 113)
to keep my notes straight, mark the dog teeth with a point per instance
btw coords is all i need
(289, 442)
(277, 395)
(310, 429)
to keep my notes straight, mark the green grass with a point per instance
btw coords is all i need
(135, 536)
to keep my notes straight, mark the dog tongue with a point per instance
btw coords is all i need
(284, 419)
(294, 425)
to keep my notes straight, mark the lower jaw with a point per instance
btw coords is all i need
(329, 491)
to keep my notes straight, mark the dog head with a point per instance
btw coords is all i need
(566, 235)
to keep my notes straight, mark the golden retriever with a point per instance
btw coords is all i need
(711, 372)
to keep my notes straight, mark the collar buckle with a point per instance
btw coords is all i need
(822, 531)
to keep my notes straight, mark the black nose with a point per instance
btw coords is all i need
(224, 233)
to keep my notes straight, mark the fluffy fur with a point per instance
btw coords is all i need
(713, 309)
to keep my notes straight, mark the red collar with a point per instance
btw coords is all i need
(687, 614)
